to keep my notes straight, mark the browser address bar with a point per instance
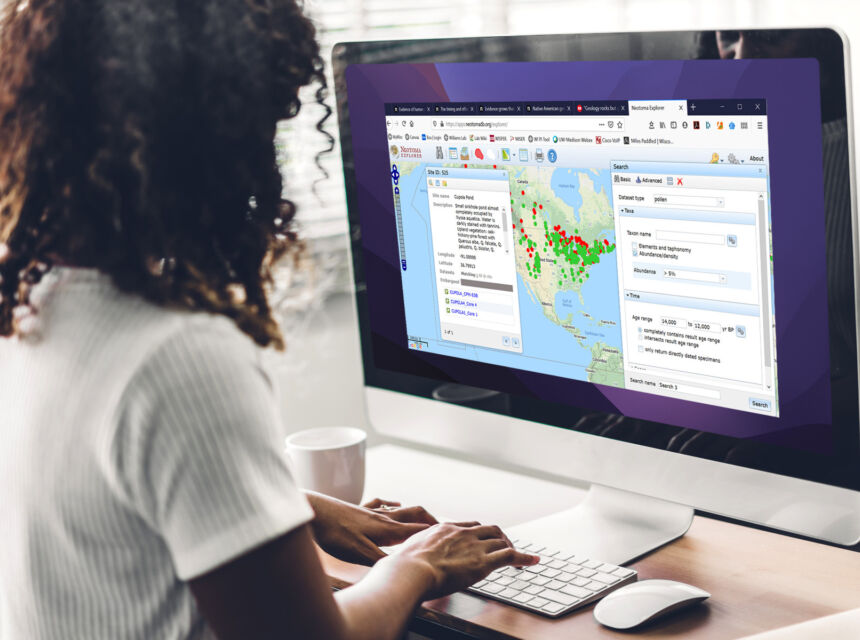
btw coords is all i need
(537, 123)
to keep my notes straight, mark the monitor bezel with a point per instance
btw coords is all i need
(843, 473)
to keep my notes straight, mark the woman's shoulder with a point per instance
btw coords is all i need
(80, 297)
(83, 317)
(194, 364)
(195, 343)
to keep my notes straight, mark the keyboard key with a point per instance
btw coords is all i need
(519, 585)
(550, 573)
(504, 581)
(525, 575)
(536, 568)
(557, 564)
(540, 581)
(595, 586)
(605, 578)
(591, 564)
(565, 577)
(572, 568)
(534, 589)
(523, 598)
(549, 553)
(508, 593)
(537, 603)
(511, 572)
(586, 573)
(480, 584)
(623, 572)
(580, 582)
(492, 588)
(494, 575)
(545, 560)
(552, 607)
(534, 548)
(564, 555)
(577, 592)
(607, 568)
(560, 598)
(555, 585)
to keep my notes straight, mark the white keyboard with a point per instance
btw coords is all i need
(561, 582)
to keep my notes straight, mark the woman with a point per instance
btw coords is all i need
(142, 487)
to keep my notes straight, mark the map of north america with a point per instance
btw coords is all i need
(560, 247)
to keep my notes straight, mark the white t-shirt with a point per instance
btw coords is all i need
(139, 447)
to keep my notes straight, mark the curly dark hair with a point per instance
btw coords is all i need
(137, 138)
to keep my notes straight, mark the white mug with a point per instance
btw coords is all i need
(329, 460)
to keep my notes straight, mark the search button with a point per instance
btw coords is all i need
(760, 405)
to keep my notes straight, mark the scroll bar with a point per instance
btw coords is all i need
(507, 233)
(767, 331)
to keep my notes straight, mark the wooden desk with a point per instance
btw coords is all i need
(757, 580)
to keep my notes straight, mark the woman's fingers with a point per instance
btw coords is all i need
(412, 514)
(492, 531)
(510, 556)
(400, 531)
(360, 550)
(465, 525)
(372, 553)
(489, 531)
(494, 544)
(507, 539)
(376, 503)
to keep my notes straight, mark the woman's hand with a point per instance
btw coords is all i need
(458, 555)
(354, 534)
(396, 511)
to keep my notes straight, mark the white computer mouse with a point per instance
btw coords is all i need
(642, 601)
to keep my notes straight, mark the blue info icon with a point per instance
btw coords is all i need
(551, 155)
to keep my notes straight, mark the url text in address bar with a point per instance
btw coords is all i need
(536, 123)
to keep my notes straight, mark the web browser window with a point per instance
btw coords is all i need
(624, 243)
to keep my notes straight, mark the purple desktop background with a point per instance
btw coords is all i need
(791, 89)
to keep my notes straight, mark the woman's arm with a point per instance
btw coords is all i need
(279, 590)
(355, 533)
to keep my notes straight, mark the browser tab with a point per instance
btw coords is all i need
(602, 108)
(548, 108)
(658, 107)
(504, 108)
(454, 109)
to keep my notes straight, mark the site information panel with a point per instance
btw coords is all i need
(624, 243)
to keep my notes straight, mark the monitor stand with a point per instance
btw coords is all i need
(610, 525)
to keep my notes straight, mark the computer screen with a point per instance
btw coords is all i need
(623, 243)
(635, 248)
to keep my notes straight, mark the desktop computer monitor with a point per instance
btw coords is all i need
(628, 259)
